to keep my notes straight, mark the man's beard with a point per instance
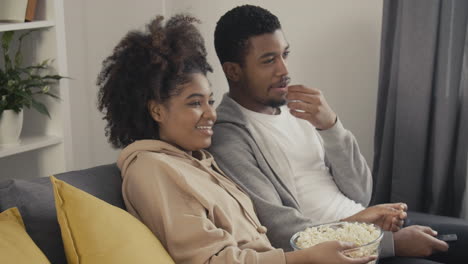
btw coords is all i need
(276, 103)
(282, 101)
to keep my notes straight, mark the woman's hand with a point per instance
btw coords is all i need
(389, 217)
(330, 252)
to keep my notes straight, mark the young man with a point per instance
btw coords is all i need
(287, 148)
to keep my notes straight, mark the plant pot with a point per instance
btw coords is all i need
(13, 10)
(11, 124)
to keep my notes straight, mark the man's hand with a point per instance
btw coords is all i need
(417, 241)
(311, 106)
(388, 216)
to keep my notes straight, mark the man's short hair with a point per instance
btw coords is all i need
(234, 29)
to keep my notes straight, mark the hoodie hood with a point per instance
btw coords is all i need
(130, 152)
(229, 111)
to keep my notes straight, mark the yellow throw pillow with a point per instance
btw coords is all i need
(15, 244)
(95, 232)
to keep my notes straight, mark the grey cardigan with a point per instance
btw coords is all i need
(244, 156)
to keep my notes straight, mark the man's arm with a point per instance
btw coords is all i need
(238, 156)
(348, 167)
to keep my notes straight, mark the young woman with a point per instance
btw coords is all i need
(158, 105)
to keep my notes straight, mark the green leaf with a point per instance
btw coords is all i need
(53, 77)
(36, 67)
(39, 84)
(52, 95)
(40, 107)
(19, 84)
(18, 56)
(2, 75)
(6, 41)
(45, 63)
(18, 59)
(21, 93)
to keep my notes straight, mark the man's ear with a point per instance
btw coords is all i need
(232, 70)
(155, 110)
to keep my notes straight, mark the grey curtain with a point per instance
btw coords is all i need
(421, 134)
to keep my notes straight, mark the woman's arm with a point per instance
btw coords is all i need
(163, 202)
(326, 253)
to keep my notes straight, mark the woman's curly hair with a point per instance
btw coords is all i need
(148, 65)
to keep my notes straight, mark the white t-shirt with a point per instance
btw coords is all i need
(318, 195)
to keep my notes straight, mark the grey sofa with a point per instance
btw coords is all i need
(35, 201)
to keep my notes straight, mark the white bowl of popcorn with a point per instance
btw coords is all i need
(366, 236)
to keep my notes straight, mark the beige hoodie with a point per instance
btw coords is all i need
(199, 215)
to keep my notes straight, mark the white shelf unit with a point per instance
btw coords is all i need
(45, 147)
(26, 25)
(29, 143)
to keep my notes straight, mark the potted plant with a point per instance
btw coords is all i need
(13, 10)
(19, 87)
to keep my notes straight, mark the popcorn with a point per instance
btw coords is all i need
(366, 236)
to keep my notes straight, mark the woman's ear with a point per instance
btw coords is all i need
(155, 110)
(232, 71)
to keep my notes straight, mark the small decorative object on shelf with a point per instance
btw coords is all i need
(30, 10)
(13, 10)
(20, 85)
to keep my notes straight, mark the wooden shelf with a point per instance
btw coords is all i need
(26, 25)
(29, 143)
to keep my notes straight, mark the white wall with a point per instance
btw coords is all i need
(335, 47)
(93, 28)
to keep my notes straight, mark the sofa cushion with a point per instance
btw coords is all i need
(35, 201)
(94, 231)
(15, 244)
